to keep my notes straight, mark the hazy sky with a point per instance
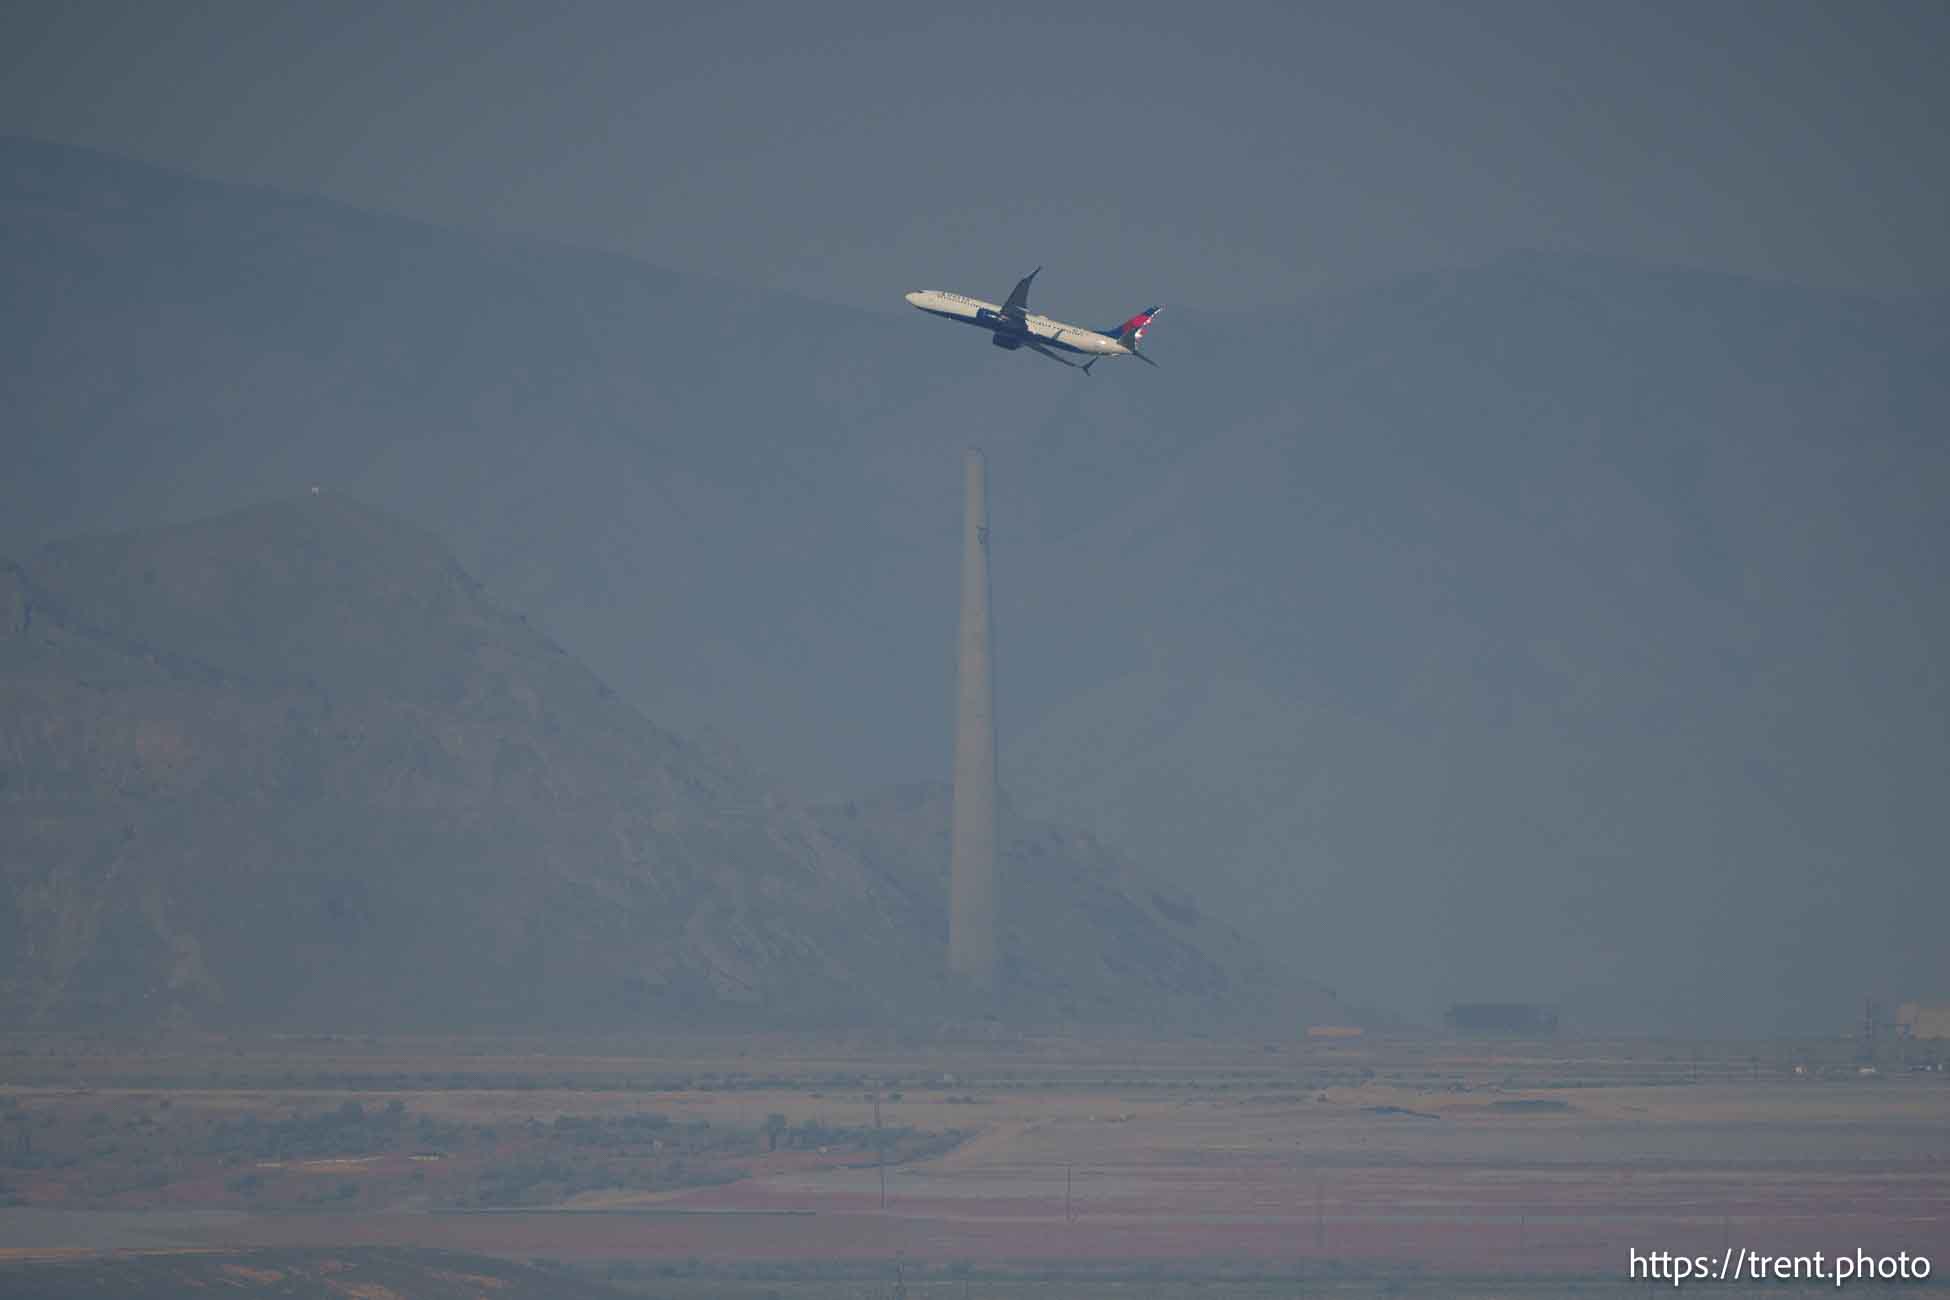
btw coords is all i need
(1222, 156)
(1448, 646)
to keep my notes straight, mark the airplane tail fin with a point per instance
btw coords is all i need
(1133, 329)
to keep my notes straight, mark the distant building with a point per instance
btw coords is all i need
(1501, 1018)
(1920, 1020)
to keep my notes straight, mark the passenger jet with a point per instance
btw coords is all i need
(1011, 326)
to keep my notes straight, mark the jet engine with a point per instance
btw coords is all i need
(1008, 341)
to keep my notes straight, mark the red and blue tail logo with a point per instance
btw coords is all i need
(1133, 329)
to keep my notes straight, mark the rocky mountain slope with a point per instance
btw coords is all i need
(1057, 884)
(1560, 629)
(292, 765)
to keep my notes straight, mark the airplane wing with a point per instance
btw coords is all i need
(1018, 304)
(1040, 350)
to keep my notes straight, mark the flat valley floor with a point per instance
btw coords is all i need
(1022, 1165)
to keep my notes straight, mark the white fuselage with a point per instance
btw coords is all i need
(1032, 328)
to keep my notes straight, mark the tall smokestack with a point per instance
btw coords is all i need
(971, 865)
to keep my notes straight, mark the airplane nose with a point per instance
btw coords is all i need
(914, 299)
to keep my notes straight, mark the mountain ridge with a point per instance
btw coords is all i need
(1550, 587)
(291, 765)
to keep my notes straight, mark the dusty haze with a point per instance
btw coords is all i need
(1521, 581)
